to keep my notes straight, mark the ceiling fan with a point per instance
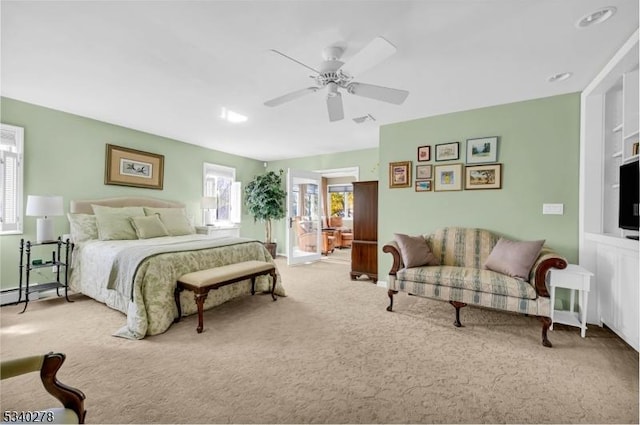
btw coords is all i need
(335, 74)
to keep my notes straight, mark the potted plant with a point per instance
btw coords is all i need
(265, 199)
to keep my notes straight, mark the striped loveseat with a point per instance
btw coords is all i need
(462, 279)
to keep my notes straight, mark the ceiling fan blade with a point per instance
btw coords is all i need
(291, 96)
(294, 60)
(384, 94)
(372, 54)
(334, 106)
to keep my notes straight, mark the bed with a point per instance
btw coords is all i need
(137, 275)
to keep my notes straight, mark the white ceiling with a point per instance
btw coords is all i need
(168, 67)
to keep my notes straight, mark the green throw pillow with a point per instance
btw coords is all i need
(114, 224)
(148, 226)
(174, 219)
(177, 225)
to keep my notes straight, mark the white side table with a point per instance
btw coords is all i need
(576, 279)
(219, 232)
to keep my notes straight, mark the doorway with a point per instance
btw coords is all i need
(337, 211)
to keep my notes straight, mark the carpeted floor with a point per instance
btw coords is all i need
(327, 353)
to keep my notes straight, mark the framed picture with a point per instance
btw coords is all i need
(423, 172)
(423, 186)
(482, 151)
(483, 177)
(130, 167)
(447, 177)
(400, 174)
(424, 153)
(448, 151)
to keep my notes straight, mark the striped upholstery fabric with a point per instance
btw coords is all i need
(473, 279)
(462, 276)
(536, 307)
(462, 247)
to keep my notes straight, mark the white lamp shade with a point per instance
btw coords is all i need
(208, 202)
(44, 206)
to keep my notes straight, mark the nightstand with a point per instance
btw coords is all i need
(57, 261)
(578, 280)
(219, 232)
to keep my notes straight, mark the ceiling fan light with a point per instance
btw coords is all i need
(559, 77)
(596, 17)
(332, 90)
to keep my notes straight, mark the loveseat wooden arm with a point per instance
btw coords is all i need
(538, 276)
(48, 365)
(393, 249)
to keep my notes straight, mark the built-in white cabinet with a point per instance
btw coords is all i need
(618, 290)
(608, 133)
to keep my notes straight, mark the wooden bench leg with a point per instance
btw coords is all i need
(274, 279)
(200, 298)
(176, 296)
(253, 285)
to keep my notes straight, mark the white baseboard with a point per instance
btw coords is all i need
(11, 296)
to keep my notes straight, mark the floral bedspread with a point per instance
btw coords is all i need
(152, 308)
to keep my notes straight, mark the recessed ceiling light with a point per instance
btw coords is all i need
(596, 17)
(559, 77)
(231, 116)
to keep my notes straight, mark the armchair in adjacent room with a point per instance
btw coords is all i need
(344, 236)
(48, 365)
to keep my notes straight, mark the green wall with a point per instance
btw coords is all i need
(366, 160)
(539, 149)
(65, 155)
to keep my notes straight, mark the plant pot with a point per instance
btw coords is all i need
(271, 247)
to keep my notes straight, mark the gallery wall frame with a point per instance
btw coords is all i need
(423, 186)
(482, 150)
(447, 177)
(400, 174)
(448, 151)
(487, 176)
(423, 172)
(424, 153)
(131, 167)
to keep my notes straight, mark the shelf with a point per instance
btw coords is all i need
(631, 158)
(634, 134)
(49, 264)
(45, 287)
(617, 128)
(567, 318)
(616, 154)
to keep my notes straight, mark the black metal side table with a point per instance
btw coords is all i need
(56, 261)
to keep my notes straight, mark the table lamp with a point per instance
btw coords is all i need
(208, 203)
(44, 207)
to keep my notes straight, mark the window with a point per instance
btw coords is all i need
(341, 197)
(11, 166)
(219, 183)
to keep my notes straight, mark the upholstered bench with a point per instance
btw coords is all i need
(201, 282)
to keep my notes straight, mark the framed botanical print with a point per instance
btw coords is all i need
(447, 177)
(131, 167)
(482, 151)
(399, 174)
(448, 151)
(483, 177)
(424, 153)
(423, 172)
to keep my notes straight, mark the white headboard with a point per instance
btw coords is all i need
(84, 206)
